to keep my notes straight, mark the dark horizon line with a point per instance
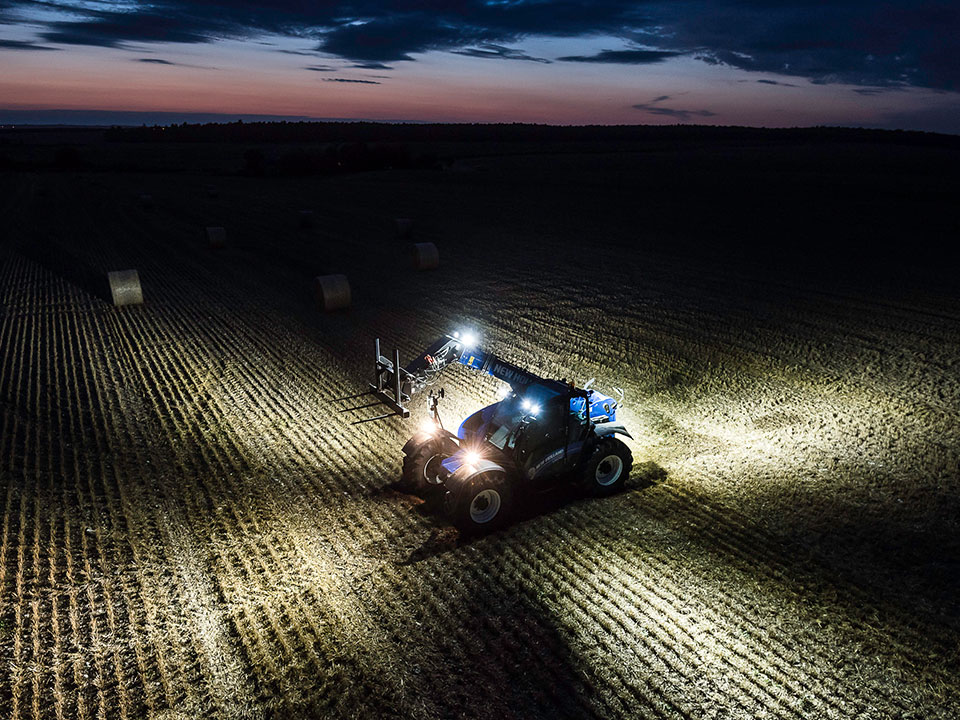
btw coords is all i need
(5, 126)
(128, 119)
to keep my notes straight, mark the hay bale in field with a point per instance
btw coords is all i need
(216, 237)
(425, 256)
(146, 202)
(333, 292)
(404, 227)
(125, 287)
(306, 219)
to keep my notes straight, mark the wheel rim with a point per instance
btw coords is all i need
(431, 470)
(608, 470)
(485, 506)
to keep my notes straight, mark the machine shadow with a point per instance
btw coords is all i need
(444, 538)
(523, 664)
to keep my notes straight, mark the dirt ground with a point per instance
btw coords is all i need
(192, 527)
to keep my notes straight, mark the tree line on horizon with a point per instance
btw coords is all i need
(333, 132)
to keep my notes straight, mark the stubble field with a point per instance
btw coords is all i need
(192, 527)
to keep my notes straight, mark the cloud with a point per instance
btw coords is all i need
(23, 45)
(859, 42)
(764, 81)
(372, 66)
(895, 43)
(117, 29)
(159, 61)
(364, 31)
(395, 38)
(652, 108)
(489, 50)
(868, 91)
(351, 80)
(625, 57)
(321, 68)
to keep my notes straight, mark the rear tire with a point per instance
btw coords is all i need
(608, 468)
(420, 469)
(482, 504)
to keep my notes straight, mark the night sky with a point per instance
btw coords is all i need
(893, 64)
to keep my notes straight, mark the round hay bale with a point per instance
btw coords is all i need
(125, 287)
(425, 256)
(146, 201)
(404, 227)
(333, 292)
(306, 219)
(216, 237)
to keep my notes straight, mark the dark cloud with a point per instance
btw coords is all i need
(322, 68)
(372, 66)
(489, 50)
(868, 91)
(116, 29)
(775, 82)
(862, 42)
(351, 80)
(170, 63)
(23, 45)
(624, 57)
(653, 108)
(394, 38)
(365, 31)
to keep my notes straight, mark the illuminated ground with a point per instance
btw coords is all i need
(191, 528)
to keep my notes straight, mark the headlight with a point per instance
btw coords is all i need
(428, 427)
(471, 458)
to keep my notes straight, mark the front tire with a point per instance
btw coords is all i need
(421, 468)
(481, 504)
(608, 468)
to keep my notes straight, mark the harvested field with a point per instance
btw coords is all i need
(192, 528)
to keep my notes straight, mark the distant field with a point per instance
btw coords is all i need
(192, 528)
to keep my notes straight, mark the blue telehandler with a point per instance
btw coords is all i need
(540, 434)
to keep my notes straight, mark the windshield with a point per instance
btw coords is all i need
(501, 430)
(513, 413)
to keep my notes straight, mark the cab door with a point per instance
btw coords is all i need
(578, 428)
(542, 447)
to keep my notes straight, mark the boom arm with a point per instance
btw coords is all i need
(448, 349)
(396, 389)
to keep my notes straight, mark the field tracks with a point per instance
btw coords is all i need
(188, 529)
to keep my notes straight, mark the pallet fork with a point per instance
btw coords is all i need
(386, 389)
(387, 383)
